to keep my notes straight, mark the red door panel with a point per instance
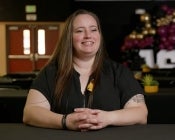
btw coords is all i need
(20, 65)
(17, 61)
(52, 36)
(15, 43)
(51, 40)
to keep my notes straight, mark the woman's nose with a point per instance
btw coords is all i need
(87, 34)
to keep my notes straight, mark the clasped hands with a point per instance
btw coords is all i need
(85, 119)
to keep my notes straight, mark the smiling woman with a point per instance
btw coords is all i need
(81, 88)
(86, 36)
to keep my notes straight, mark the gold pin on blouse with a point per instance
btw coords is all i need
(90, 86)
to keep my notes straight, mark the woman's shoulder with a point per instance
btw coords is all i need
(50, 66)
(49, 69)
(111, 65)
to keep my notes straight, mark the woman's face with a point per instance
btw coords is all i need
(86, 36)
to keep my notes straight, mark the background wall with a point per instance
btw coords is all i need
(117, 17)
(47, 10)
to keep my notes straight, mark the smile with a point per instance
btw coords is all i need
(88, 43)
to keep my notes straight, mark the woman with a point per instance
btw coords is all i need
(81, 89)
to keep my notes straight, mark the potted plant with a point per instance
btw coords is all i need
(150, 84)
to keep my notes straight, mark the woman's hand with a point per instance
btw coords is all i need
(85, 119)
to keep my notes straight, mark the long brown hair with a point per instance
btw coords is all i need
(63, 55)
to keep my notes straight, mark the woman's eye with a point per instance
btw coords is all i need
(79, 31)
(94, 30)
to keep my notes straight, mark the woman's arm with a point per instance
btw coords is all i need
(37, 111)
(134, 112)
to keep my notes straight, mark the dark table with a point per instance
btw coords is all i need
(161, 106)
(135, 132)
(6, 93)
(12, 102)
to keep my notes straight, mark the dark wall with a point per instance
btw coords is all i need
(117, 17)
(47, 10)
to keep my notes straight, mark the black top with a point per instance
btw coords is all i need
(117, 85)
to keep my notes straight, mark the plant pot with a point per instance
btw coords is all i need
(151, 89)
(145, 70)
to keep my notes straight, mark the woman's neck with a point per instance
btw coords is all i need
(83, 66)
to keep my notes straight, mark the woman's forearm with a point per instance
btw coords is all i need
(41, 117)
(128, 116)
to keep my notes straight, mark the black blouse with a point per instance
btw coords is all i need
(116, 86)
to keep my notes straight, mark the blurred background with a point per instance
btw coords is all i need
(139, 34)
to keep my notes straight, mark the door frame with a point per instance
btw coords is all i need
(3, 40)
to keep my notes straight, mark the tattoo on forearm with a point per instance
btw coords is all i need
(139, 98)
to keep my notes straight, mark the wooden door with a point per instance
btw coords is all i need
(17, 60)
(30, 46)
(51, 39)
